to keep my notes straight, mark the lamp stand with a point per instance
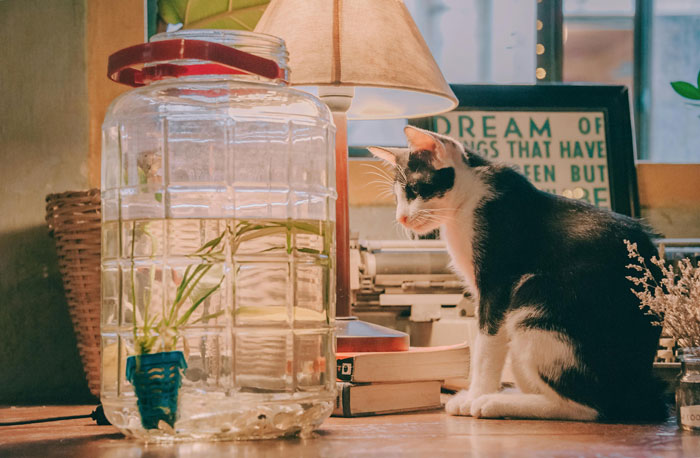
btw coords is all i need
(353, 335)
(339, 99)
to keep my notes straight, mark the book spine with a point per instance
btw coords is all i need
(344, 369)
(342, 401)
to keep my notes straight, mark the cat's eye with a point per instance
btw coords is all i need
(411, 191)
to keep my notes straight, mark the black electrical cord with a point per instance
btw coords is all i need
(98, 415)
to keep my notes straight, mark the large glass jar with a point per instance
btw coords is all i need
(688, 391)
(217, 244)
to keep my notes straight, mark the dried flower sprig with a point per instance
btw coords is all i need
(674, 300)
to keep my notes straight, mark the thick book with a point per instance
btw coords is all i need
(384, 398)
(416, 364)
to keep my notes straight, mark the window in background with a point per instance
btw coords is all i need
(599, 46)
(674, 45)
(599, 41)
(473, 41)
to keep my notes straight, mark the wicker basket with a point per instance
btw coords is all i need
(74, 219)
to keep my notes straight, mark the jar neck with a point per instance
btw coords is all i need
(690, 359)
(219, 78)
(258, 44)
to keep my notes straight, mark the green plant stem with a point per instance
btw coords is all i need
(201, 270)
(210, 253)
(133, 277)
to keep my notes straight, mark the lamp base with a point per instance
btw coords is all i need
(354, 335)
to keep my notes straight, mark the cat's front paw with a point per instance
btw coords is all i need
(489, 406)
(460, 404)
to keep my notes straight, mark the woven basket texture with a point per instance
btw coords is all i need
(74, 219)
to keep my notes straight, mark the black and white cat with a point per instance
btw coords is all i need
(548, 274)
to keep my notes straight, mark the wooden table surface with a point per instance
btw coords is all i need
(430, 434)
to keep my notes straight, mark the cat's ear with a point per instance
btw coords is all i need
(423, 140)
(384, 154)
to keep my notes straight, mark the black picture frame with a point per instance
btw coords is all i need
(613, 101)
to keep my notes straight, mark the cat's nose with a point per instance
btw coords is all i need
(402, 219)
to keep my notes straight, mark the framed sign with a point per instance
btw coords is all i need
(568, 139)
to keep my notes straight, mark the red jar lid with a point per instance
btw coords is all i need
(223, 60)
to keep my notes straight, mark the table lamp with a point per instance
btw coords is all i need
(368, 61)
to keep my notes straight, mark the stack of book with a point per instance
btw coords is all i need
(377, 383)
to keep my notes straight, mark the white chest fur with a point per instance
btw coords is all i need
(459, 236)
(458, 229)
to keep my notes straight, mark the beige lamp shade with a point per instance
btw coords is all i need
(371, 45)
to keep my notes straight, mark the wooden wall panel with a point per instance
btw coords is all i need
(669, 185)
(111, 26)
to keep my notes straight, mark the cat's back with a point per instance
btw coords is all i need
(517, 215)
(580, 223)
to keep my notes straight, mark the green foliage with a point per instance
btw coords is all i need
(198, 283)
(687, 90)
(248, 230)
(212, 14)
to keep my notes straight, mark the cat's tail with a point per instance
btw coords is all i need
(640, 402)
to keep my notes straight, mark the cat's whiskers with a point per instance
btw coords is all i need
(379, 171)
(406, 232)
(376, 167)
(386, 188)
(379, 184)
(401, 174)
(423, 218)
(384, 182)
(435, 214)
(383, 178)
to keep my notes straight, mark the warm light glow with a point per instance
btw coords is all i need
(371, 45)
(540, 73)
(539, 25)
(387, 103)
(576, 193)
(539, 49)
